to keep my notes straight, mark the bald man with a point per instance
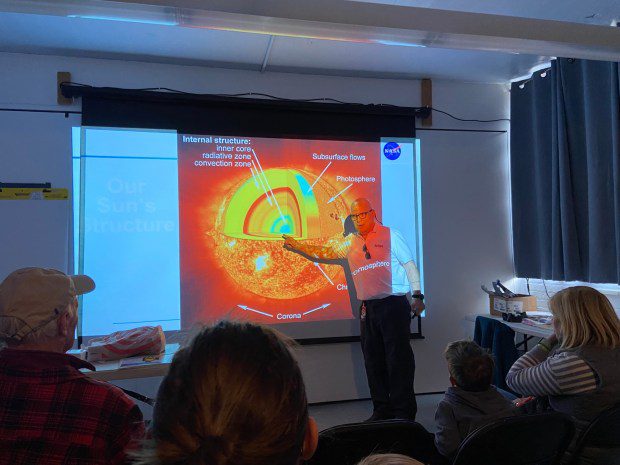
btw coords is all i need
(384, 273)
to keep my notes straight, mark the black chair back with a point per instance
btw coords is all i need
(600, 442)
(539, 439)
(348, 444)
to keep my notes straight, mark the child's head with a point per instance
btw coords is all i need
(470, 366)
(235, 395)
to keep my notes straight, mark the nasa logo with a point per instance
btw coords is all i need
(391, 150)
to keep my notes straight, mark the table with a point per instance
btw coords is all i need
(527, 331)
(121, 369)
(521, 328)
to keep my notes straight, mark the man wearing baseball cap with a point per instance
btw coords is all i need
(51, 412)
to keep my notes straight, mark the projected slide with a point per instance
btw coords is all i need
(237, 197)
(178, 229)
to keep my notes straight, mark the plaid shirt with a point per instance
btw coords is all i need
(51, 413)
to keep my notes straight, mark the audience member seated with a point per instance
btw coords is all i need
(472, 401)
(577, 367)
(50, 412)
(575, 370)
(389, 459)
(234, 396)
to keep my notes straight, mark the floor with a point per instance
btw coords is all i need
(338, 413)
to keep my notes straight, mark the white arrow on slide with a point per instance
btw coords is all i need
(316, 180)
(318, 308)
(254, 177)
(248, 309)
(269, 187)
(261, 183)
(324, 274)
(334, 197)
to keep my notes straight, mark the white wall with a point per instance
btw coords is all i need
(543, 290)
(465, 184)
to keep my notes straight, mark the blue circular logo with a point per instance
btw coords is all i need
(391, 150)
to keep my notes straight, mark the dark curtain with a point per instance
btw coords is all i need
(565, 172)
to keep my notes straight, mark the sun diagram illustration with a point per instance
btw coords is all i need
(252, 218)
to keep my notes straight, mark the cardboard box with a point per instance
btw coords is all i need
(519, 304)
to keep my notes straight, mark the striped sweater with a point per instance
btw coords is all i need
(537, 373)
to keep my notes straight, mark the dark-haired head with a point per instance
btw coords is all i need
(234, 396)
(470, 366)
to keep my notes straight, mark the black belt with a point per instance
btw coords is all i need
(389, 297)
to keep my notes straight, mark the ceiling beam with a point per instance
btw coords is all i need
(353, 21)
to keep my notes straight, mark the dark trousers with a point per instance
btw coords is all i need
(390, 365)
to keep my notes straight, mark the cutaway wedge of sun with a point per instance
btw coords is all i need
(277, 202)
(252, 219)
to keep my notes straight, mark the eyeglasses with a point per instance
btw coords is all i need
(365, 249)
(360, 216)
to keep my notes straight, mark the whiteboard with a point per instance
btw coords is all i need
(35, 148)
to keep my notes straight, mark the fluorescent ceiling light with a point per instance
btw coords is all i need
(126, 20)
(399, 44)
(217, 21)
(349, 21)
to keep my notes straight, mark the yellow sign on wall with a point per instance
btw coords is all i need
(38, 193)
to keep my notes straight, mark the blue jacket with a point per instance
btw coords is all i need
(500, 340)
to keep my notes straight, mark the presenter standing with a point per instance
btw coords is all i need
(383, 271)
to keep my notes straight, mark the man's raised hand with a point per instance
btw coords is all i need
(290, 243)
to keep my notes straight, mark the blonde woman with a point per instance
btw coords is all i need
(578, 366)
(388, 459)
